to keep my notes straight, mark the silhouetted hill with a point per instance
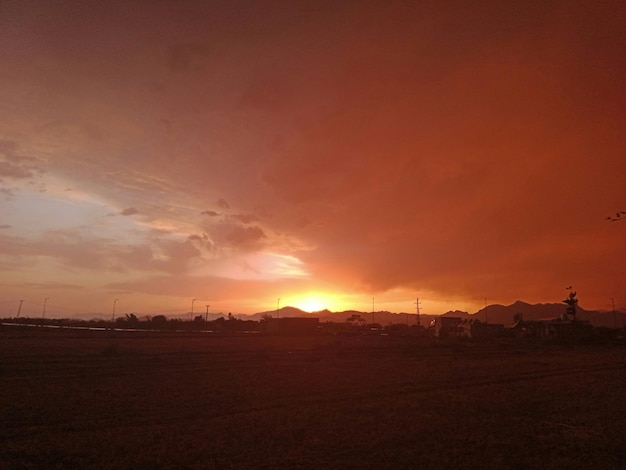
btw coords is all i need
(456, 313)
(282, 312)
(501, 314)
(382, 317)
(506, 314)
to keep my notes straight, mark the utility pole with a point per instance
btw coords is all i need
(192, 302)
(417, 310)
(373, 311)
(43, 314)
(206, 319)
(113, 314)
(278, 307)
(19, 309)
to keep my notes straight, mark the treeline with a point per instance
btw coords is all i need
(132, 322)
(229, 324)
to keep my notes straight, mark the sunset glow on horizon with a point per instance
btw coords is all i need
(324, 154)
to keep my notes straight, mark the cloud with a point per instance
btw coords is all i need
(186, 57)
(14, 171)
(245, 218)
(240, 237)
(5, 226)
(76, 250)
(52, 286)
(8, 148)
(16, 165)
(227, 290)
(451, 151)
(202, 237)
(129, 211)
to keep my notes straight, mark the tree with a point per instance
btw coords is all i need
(159, 321)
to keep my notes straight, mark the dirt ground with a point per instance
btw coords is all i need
(102, 399)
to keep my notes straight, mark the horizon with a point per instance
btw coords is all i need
(349, 156)
(190, 316)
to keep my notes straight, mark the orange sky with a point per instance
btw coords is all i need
(323, 153)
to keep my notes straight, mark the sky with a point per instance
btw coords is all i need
(345, 155)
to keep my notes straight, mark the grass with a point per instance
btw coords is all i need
(120, 400)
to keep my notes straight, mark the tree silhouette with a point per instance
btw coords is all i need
(159, 321)
(571, 302)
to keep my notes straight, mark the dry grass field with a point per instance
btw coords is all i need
(105, 400)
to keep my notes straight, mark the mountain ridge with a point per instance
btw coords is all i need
(495, 313)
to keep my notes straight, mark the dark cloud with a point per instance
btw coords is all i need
(76, 250)
(16, 166)
(239, 237)
(244, 236)
(179, 256)
(8, 148)
(266, 94)
(129, 211)
(198, 237)
(11, 170)
(245, 218)
(187, 57)
(202, 241)
(5, 226)
(468, 150)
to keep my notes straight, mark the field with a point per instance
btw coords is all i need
(103, 399)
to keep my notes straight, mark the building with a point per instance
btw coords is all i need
(444, 327)
(559, 329)
(293, 325)
(475, 329)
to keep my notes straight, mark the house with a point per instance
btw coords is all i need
(444, 327)
(356, 320)
(475, 329)
(560, 329)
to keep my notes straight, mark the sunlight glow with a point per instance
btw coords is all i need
(315, 302)
(310, 305)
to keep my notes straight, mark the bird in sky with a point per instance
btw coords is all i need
(618, 216)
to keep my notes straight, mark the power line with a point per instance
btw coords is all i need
(417, 310)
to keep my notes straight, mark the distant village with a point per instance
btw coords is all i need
(543, 322)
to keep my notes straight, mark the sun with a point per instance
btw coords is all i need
(311, 305)
(313, 302)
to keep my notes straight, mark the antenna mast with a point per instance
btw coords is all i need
(373, 311)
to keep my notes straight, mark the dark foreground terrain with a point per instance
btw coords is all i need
(72, 399)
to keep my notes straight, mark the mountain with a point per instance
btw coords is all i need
(281, 313)
(456, 313)
(501, 314)
(506, 314)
